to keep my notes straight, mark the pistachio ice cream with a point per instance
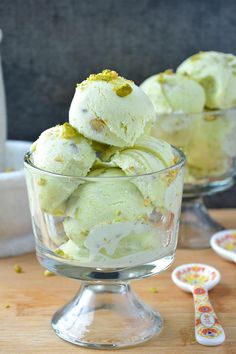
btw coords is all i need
(61, 150)
(174, 98)
(147, 155)
(109, 220)
(185, 102)
(170, 92)
(216, 73)
(111, 199)
(110, 109)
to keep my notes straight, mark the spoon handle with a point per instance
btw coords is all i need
(208, 330)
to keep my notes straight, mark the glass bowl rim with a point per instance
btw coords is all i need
(178, 165)
(210, 111)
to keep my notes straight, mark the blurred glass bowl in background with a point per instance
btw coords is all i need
(208, 140)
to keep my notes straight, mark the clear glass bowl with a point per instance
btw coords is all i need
(208, 140)
(102, 231)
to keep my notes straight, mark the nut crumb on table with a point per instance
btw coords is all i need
(18, 268)
(47, 273)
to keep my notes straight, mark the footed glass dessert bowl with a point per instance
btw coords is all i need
(208, 140)
(101, 230)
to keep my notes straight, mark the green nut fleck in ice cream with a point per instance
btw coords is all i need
(170, 92)
(110, 109)
(123, 90)
(61, 150)
(216, 72)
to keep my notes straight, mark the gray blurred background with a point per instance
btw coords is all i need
(49, 46)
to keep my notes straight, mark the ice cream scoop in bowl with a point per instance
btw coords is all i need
(198, 279)
(103, 231)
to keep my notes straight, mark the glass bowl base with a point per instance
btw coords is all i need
(196, 225)
(106, 316)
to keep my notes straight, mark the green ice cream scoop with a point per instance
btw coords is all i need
(148, 155)
(216, 73)
(108, 217)
(110, 109)
(62, 150)
(170, 92)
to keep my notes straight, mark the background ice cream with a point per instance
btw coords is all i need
(170, 92)
(61, 150)
(205, 80)
(110, 109)
(216, 72)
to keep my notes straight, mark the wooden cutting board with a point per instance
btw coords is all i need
(28, 300)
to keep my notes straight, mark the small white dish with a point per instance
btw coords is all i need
(198, 279)
(16, 235)
(224, 244)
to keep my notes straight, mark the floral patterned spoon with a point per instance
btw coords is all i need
(198, 279)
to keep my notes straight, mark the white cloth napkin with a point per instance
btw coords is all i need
(16, 246)
(16, 236)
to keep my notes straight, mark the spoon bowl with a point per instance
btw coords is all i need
(198, 279)
(188, 275)
(224, 244)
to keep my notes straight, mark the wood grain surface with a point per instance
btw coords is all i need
(29, 299)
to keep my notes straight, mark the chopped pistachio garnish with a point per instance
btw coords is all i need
(7, 306)
(58, 159)
(97, 124)
(105, 75)
(147, 202)
(84, 232)
(67, 131)
(41, 181)
(124, 127)
(18, 268)
(169, 72)
(47, 273)
(8, 169)
(171, 175)
(131, 169)
(210, 117)
(160, 78)
(153, 290)
(196, 56)
(123, 90)
(119, 219)
(59, 253)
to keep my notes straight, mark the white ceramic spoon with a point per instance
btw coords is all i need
(198, 279)
(224, 244)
